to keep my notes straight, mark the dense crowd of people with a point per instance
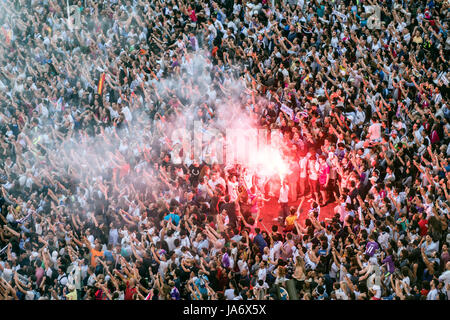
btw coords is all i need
(101, 199)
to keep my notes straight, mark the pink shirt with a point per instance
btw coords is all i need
(39, 275)
(323, 173)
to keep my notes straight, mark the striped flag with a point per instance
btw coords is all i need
(101, 84)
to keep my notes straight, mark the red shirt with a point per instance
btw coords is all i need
(193, 16)
(222, 280)
(129, 292)
(423, 225)
(434, 137)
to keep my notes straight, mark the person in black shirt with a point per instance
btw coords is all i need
(166, 161)
(215, 203)
(194, 173)
(230, 208)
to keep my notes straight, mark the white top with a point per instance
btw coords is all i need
(375, 131)
(303, 163)
(233, 190)
(314, 167)
(284, 194)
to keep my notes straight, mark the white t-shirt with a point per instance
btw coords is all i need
(163, 265)
(7, 274)
(127, 113)
(284, 194)
(303, 163)
(248, 178)
(375, 131)
(229, 294)
(314, 167)
(432, 295)
(242, 265)
(170, 242)
(445, 277)
(263, 286)
(275, 251)
(262, 273)
(233, 190)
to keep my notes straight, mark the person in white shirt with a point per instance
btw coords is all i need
(283, 201)
(127, 113)
(303, 164)
(170, 239)
(339, 292)
(248, 178)
(433, 293)
(212, 30)
(429, 246)
(445, 278)
(215, 180)
(233, 188)
(313, 168)
(236, 8)
(260, 289)
(274, 253)
(231, 292)
(262, 271)
(383, 239)
(374, 134)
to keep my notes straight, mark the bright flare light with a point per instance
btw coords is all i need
(269, 162)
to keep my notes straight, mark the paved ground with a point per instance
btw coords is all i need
(271, 210)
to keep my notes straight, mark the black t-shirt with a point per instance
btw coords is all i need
(147, 262)
(25, 261)
(154, 265)
(213, 281)
(143, 270)
(270, 114)
(49, 281)
(184, 275)
(165, 164)
(230, 208)
(194, 172)
(415, 255)
(244, 281)
(214, 205)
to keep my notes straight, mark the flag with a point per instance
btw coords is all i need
(288, 111)
(101, 84)
(7, 34)
(341, 15)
